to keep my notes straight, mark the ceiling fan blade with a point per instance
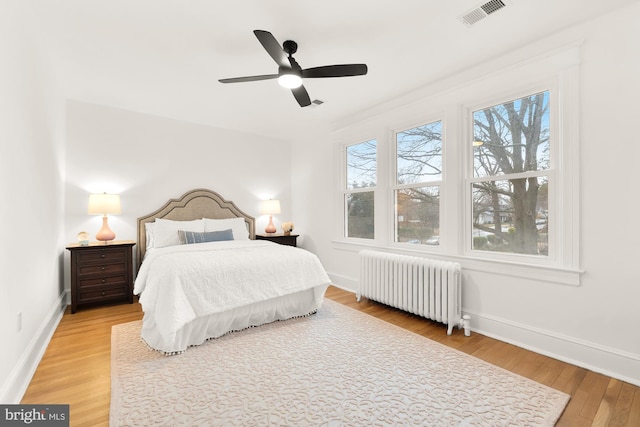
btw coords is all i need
(272, 47)
(344, 70)
(249, 78)
(302, 96)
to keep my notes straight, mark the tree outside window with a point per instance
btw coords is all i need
(509, 188)
(417, 188)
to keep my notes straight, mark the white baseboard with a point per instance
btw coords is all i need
(608, 361)
(343, 282)
(14, 388)
(605, 360)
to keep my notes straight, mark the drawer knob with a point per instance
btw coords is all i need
(104, 268)
(103, 256)
(104, 281)
(103, 293)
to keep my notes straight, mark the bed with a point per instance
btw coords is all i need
(202, 274)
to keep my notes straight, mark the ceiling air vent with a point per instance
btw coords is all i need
(481, 12)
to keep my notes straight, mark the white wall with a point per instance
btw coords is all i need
(31, 216)
(149, 159)
(595, 324)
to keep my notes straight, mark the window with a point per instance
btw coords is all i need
(417, 184)
(511, 176)
(359, 189)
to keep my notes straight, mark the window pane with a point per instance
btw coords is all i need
(361, 165)
(418, 215)
(360, 214)
(511, 216)
(512, 137)
(419, 154)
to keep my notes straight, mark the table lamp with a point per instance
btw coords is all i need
(104, 204)
(270, 207)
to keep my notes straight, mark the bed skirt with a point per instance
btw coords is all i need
(216, 325)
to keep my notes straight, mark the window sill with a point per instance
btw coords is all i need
(546, 273)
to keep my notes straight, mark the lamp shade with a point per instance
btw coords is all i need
(104, 204)
(270, 207)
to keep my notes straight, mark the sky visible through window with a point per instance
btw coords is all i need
(361, 165)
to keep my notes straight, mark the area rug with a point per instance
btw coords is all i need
(337, 367)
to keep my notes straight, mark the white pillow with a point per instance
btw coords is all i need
(237, 225)
(165, 231)
(148, 231)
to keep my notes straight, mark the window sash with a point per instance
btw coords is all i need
(426, 165)
(501, 226)
(512, 136)
(359, 226)
(417, 214)
(366, 153)
(359, 198)
(474, 243)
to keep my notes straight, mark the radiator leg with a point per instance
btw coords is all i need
(466, 324)
(358, 296)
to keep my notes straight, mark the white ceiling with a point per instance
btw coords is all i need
(165, 57)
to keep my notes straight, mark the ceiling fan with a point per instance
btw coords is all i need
(290, 74)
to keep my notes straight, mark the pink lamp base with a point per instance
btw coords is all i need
(270, 227)
(105, 234)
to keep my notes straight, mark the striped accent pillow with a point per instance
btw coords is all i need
(191, 237)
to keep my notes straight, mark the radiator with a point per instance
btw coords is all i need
(426, 287)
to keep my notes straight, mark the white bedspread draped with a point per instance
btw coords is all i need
(182, 283)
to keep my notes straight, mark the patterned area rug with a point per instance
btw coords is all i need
(337, 367)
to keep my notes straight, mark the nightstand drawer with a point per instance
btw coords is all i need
(106, 254)
(102, 269)
(85, 284)
(101, 294)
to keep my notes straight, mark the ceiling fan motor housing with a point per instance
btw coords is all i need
(290, 47)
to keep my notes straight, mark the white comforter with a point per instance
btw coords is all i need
(182, 283)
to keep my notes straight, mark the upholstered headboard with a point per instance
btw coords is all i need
(195, 204)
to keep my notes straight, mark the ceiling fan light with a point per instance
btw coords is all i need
(290, 81)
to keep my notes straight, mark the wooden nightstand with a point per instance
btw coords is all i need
(101, 273)
(279, 238)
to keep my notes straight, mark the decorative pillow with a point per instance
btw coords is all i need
(165, 231)
(190, 237)
(237, 225)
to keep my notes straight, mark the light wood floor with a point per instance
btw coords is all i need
(75, 369)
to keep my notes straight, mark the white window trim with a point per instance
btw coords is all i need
(563, 182)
